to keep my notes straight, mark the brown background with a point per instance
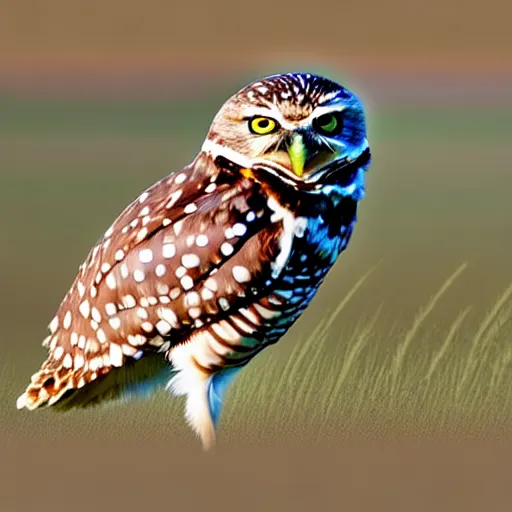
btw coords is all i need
(435, 55)
(408, 34)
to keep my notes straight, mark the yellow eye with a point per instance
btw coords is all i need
(328, 124)
(262, 125)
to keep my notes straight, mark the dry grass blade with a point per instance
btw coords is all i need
(348, 363)
(309, 375)
(323, 327)
(350, 294)
(399, 357)
(380, 381)
(280, 387)
(300, 352)
(292, 369)
(504, 365)
(473, 356)
(447, 342)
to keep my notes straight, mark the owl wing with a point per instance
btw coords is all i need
(189, 250)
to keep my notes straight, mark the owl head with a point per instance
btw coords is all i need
(297, 125)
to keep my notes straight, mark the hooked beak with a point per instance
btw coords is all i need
(298, 153)
(301, 154)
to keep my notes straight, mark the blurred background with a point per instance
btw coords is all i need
(99, 99)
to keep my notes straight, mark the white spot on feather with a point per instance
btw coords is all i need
(207, 294)
(95, 314)
(186, 282)
(100, 334)
(226, 249)
(163, 327)
(147, 326)
(142, 234)
(190, 208)
(68, 361)
(116, 355)
(146, 256)
(202, 240)
(115, 323)
(129, 301)
(79, 361)
(160, 270)
(178, 227)
(190, 260)
(110, 309)
(110, 281)
(174, 197)
(81, 289)
(286, 238)
(138, 276)
(239, 229)
(241, 274)
(54, 324)
(169, 316)
(67, 320)
(168, 250)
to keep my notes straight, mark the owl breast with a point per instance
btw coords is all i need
(325, 235)
(309, 246)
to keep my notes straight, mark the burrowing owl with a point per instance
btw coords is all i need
(213, 263)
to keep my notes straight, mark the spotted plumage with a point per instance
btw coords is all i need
(215, 262)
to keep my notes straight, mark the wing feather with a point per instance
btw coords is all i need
(190, 250)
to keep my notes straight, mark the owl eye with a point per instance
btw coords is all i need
(328, 124)
(263, 125)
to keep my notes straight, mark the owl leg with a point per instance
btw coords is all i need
(191, 381)
(204, 390)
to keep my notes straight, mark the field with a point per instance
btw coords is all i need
(409, 338)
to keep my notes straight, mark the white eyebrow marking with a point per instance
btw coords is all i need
(320, 111)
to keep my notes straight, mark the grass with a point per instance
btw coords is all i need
(458, 384)
(424, 385)
(446, 369)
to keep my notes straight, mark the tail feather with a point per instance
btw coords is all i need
(47, 387)
(64, 391)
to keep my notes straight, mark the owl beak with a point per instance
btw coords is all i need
(298, 153)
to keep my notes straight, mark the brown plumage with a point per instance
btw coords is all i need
(169, 262)
(212, 263)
